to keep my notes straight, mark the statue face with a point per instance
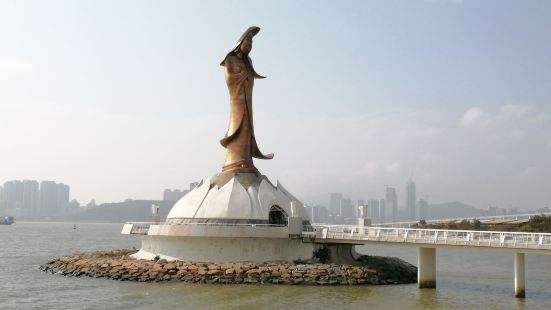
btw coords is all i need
(246, 46)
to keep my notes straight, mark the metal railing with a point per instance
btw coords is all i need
(141, 228)
(437, 236)
(483, 219)
(517, 240)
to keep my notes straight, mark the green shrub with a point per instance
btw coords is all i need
(538, 223)
(323, 254)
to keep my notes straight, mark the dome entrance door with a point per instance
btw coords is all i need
(277, 216)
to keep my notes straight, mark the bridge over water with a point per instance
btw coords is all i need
(428, 240)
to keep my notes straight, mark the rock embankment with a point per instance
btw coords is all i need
(118, 265)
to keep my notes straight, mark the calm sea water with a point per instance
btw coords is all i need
(466, 280)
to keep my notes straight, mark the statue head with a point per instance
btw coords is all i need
(245, 43)
(247, 37)
(244, 46)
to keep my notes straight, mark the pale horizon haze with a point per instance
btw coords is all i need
(122, 99)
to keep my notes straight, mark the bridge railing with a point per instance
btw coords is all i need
(141, 228)
(437, 236)
(483, 219)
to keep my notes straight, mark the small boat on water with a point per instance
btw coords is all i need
(6, 220)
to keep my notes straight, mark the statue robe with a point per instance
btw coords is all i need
(240, 140)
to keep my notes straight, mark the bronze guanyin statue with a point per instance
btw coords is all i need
(239, 140)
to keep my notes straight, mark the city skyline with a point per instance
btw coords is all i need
(33, 199)
(440, 93)
(30, 199)
(335, 204)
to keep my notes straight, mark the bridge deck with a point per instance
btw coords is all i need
(513, 241)
(532, 242)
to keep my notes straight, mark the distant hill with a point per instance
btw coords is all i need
(454, 209)
(127, 211)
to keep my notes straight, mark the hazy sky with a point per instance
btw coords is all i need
(122, 99)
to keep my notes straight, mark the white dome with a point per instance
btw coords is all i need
(245, 196)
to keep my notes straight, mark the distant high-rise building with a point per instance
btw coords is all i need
(31, 198)
(193, 185)
(309, 213)
(411, 199)
(382, 211)
(48, 198)
(54, 198)
(347, 209)
(63, 192)
(2, 198)
(74, 206)
(373, 205)
(174, 195)
(92, 204)
(13, 195)
(392, 202)
(335, 203)
(423, 209)
(9, 194)
(167, 194)
(317, 214)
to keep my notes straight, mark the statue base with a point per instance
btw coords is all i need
(230, 217)
(231, 196)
